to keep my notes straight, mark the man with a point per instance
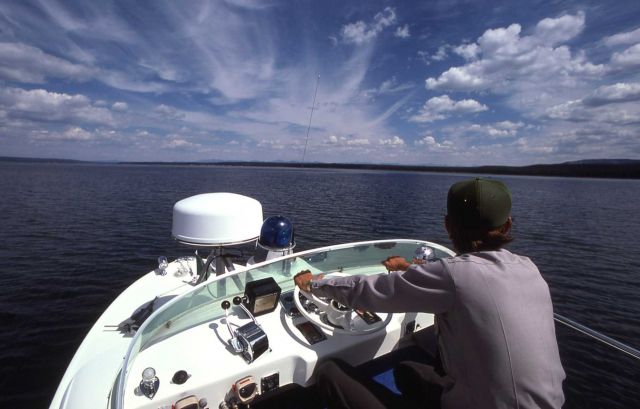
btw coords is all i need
(493, 314)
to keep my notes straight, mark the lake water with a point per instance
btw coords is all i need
(75, 235)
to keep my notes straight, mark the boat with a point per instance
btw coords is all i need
(197, 333)
(214, 332)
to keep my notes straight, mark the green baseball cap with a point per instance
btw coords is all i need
(479, 203)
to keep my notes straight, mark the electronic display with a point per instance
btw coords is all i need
(265, 302)
(261, 296)
(368, 316)
(310, 332)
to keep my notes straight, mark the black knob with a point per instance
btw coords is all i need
(225, 305)
(180, 377)
(237, 300)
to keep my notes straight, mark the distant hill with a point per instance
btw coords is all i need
(601, 162)
(593, 168)
(617, 169)
(40, 160)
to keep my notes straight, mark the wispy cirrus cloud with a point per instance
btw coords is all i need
(24, 63)
(398, 83)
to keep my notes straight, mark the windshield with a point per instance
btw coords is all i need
(204, 302)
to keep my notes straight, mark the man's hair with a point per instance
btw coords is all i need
(471, 240)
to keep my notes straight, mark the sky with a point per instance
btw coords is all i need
(454, 83)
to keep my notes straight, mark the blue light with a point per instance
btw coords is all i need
(277, 234)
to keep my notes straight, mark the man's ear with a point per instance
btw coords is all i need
(506, 227)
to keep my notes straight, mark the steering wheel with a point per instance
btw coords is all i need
(335, 317)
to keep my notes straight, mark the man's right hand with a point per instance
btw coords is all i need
(396, 263)
(303, 280)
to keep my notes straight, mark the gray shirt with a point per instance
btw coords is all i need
(494, 319)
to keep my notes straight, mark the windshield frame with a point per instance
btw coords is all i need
(138, 338)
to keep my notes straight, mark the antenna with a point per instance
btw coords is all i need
(310, 116)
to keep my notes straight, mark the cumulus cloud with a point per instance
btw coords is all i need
(348, 141)
(467, 51)
(496, 130)
(403, 32)
(40, 105)
(73, 133)
(614, 104)
(628, 59)
(272, 144)
(431, 143)
(77, 134)
(120, 106)
(535, 70)
(608, 94)
(393, 141)
(553, 31)
(168, 112)
(443, 106)
(179, 144)
(629, 37)
(361, 32)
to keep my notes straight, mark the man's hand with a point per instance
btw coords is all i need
(303, 280)
(396, 263)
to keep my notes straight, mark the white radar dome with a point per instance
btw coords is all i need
(217, 219)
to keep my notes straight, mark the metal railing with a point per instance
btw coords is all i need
(598, 336)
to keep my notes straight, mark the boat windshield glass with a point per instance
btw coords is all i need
(203, 303)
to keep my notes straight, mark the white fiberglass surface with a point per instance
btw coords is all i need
(203, 303)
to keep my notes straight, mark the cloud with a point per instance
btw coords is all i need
(73, 133)
(388, 87)
(361, 32)
(120, 106)
(27, 64)
(629, 37)
(272, 144)
(24, 63)
(496, 130)
(431, 143)
(395, 141)
(77, 134)
(612, 104)
(443, 106)
(525, 145)
(402, 32)
(467, 51)
(608, 94)
(628, 59)
(40, 105)
(348, 141)
(180, 144)
(534, 70)
(168, 112)
(441, 54)
(553, 31)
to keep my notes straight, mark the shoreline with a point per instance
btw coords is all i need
(608, 169)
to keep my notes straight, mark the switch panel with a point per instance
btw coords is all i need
(269, 383)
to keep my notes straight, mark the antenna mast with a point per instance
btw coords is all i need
(310, 116)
